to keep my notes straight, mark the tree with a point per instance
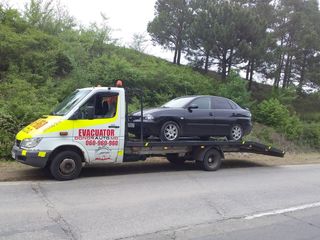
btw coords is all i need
(297, 33)
(201, 37)
(48, 16)
(308, 44)
(168, 28)
(139, 42)
(256, 41)
(225, 29)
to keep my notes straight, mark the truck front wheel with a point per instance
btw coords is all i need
(66, 165)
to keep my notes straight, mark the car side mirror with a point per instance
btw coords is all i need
(192, 106)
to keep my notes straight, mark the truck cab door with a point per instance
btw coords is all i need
(97, 127)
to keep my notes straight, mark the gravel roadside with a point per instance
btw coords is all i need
(13, 171)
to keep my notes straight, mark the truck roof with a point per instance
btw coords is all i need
(103, 88)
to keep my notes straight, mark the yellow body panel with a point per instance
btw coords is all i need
(37, 127)
(52, 124)
(42, 154)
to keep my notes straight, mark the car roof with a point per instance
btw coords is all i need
(197, 96)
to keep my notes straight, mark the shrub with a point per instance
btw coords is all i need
(286, 96)
(272, 113)
(311, 134)
(236, 89)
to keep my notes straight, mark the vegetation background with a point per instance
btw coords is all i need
(45, 55)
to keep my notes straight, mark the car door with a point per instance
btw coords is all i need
(99, 134)
(198, 121)
(223, 116)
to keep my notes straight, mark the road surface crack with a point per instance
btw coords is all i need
(300, 220)
(54, 214)
(205, 199)
(213, 206)
(171, 233)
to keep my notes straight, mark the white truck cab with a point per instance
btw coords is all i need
(86, 125)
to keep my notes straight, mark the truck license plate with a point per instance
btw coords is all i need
(131, 125)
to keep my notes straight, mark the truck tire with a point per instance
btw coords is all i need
(66, 165)
(175, 159)
(212, 160)
(170, 131)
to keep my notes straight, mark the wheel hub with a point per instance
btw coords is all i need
(171, 132)
(236, 132)
(67, 166)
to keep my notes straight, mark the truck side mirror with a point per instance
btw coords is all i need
(192, 106)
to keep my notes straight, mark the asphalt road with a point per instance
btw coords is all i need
(161, 202)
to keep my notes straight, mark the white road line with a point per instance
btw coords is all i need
(285, 210)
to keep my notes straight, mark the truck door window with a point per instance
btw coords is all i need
(105, 105)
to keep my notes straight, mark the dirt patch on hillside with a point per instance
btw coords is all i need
(13, 171)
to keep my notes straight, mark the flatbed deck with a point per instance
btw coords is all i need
(155, 147)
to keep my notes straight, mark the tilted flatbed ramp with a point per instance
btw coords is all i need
(158, 147)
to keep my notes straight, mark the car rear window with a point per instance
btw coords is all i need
(220, 103)
(233, 104)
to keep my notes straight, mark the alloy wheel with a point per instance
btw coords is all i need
(236, 132)
(171, 132)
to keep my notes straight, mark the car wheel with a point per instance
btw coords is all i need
(236, 133)
(66, 165)
(170, 131)
(175, 159)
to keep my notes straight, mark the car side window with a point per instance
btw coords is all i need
(220, 103)
(104, 104)
(202, 103)
(233, 104)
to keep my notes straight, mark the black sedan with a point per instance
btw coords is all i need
(193, 116)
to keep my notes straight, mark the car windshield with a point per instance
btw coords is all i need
(69, 102)
(178, 102)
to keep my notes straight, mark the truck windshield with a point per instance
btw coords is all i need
(69, 102)
(178, 102)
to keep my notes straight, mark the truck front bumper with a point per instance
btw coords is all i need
(30, 157)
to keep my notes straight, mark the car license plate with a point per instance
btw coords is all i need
(131, 125)
(13, 154)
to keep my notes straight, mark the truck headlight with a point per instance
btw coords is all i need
(148, 117)
(30, 142)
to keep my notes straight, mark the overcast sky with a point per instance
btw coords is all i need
(125, 17)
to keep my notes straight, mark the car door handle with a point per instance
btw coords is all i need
(211, 114)
(113, 126)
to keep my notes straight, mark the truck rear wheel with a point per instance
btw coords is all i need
(66, 165)
(212, 160)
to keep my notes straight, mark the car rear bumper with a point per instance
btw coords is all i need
(247, 128)
(30, 157)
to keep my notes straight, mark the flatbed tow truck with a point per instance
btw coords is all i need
(90, 127)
